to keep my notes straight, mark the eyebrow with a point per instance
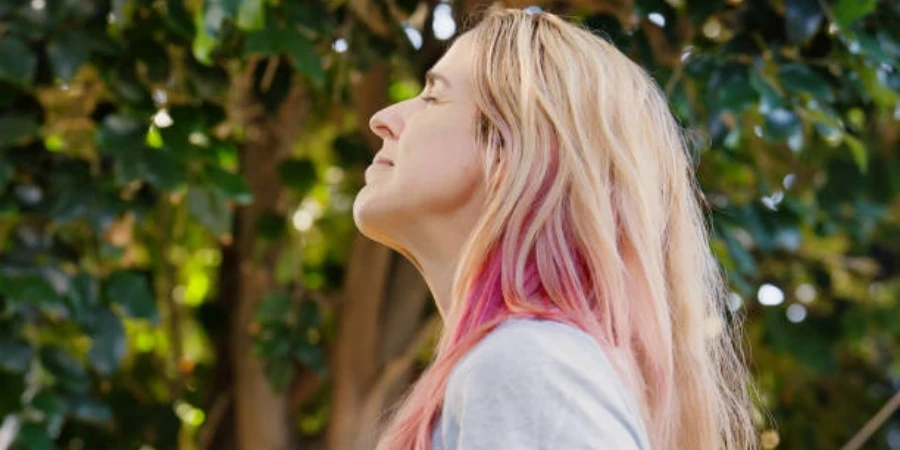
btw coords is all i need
(432, 76)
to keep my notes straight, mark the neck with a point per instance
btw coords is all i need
(434, 245)
(436, 255)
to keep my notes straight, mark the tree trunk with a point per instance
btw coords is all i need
(261, 416)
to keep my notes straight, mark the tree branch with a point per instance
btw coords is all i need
(874, 423)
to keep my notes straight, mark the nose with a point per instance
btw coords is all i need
(387, 123)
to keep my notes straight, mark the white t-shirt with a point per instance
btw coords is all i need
(534, 384)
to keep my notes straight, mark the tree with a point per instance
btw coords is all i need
(178, 266)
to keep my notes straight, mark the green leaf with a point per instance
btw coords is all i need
(797, 78)
(769, 98)
(882, 95)
(873, 46)
(108, 343)
(208, 21)
(65, 369)
(314, 16)
(207, 82)
(271, 226)
(310, 316)
(298, 174)
(801, 19)
(273, 341)
(227, 7)
(736, 94)
(123, 11)
(154, 138)
(120, 134)
(84, 299)
(7, 8)
(858, 151)
(275, 307)
(90, 410)
(124, 81)
(304, 57)
(97, 207)
(188, 119)
(15, 127)
(16, 355)
(750, 219)
(8, 209)
(49, 404)
(7, 170)
(33, 436)
(824, 115)
(12, 385)
(230, 184)
(129, 167)
(832, 135)
(31, 290)
(251, 15)
(781, 124)
(99, 41)
(809, 343)
(741, 257)
(178, 19)
(264, 42)
(274, 39)
(8, 94)
(311, 356)
(155, 58)
(856, 118)
(133, 294)
(210, 207)
(204, 43)
(162, 169)
(280, 372)
(848, 11)
(68, 52)
(17, 63)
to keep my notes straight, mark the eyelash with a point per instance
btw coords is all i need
(427, 99)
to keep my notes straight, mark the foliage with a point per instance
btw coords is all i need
(120, 180)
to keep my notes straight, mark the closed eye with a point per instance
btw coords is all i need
(427, 99)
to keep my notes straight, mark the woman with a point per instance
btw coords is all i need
(541, 186)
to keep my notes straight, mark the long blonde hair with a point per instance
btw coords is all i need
(593, 218)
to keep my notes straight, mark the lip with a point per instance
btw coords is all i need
(384, 161)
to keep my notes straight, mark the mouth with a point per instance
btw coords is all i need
(384, 161)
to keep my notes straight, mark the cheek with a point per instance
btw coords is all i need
(445, 174)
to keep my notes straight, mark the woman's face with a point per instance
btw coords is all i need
(428, 169)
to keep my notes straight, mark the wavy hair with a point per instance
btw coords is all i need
(593, 218)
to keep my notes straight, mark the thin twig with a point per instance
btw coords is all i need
(874, 423)
(269, 74)
(216, 413)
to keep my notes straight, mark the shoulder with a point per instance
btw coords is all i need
(520, 349)
(544, 376)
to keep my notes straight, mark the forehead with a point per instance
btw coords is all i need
(456, 64)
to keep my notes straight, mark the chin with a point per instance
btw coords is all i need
(374, 233)
(359, 211)
(377, 221)
(366, 215)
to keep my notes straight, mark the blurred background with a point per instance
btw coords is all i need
(179, 267)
